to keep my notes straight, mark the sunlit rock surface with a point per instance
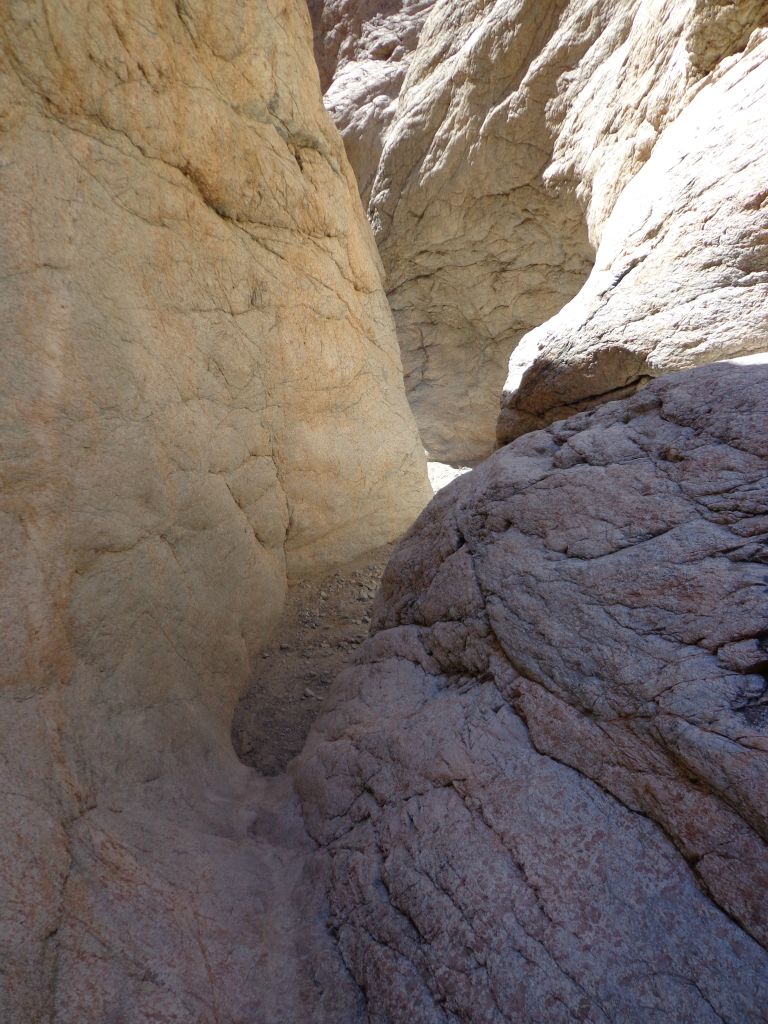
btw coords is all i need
(202, 391)
(542, 792)
(533, 139)
(681, 272)
(363, 51)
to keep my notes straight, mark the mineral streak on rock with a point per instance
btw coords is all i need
(542, 792)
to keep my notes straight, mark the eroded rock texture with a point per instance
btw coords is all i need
(363, 51)
(681, 271)
(201, 391)
(542, 793)
(530, 136)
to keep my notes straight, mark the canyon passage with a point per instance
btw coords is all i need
(383, 512)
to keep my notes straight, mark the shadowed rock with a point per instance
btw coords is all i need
(542, 793)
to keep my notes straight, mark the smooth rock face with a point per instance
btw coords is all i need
(531, 135)
(542, 793)
(202, 391)
(363, 51)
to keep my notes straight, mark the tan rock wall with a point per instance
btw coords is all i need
(202, 392)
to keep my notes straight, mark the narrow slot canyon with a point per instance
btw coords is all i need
(384, 512)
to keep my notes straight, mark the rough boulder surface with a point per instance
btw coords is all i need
(536, 139)
(201, 393)
(542, 792)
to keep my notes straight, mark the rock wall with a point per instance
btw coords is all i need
(363, 51)
(534, 140)
(681, 271)
(202, 392)
(542, 792)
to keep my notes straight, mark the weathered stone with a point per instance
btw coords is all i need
(681, 272)
(529, 136)
(202, 391)
(542, 792)
(363, 51)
